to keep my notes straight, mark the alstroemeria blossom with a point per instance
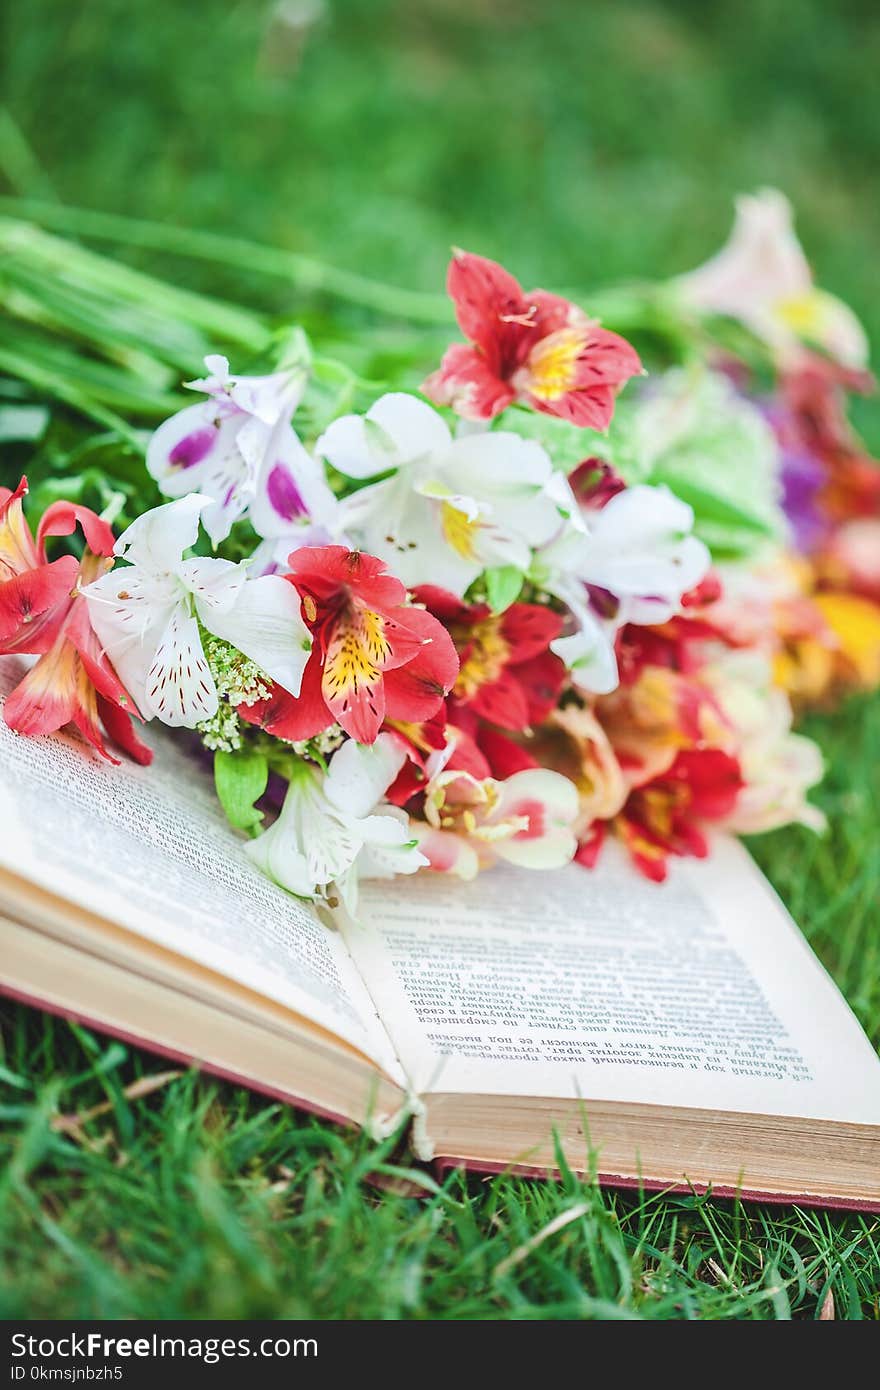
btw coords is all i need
(147, 615)
(762, 277)
(779, 767)
(630, 561)
(471, 823)
(239, 450)
(537, 348)
(43, 614)
(334, 827)
(508, 674)
(374, 656)
(451, 508)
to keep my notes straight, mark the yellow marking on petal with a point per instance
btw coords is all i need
(804, 314)
(551, 368)
(17, 549)
(459, 530)
(356, 655)
(487, 656)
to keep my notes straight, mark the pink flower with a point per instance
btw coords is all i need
(42, 613)
(471, 823)
(536, 348)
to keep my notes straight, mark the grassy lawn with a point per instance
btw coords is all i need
(583, 145)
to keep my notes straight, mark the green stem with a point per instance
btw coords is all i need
(310, 275)
(54, 385)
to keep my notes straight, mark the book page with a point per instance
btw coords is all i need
(700, 992)
(150, 850)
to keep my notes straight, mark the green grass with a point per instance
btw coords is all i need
(583, 144)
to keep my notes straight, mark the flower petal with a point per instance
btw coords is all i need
(29, 597)
(17, 549)
(121, 730)
(359, 776)
(266, 624)
(396, 430)
(467, 382)
(352, 682)
(158, 538)
(589, 655)
(47, 697)
(179, 687)
(290, 718)
(62, 518)
(446, 852)
(291, 489)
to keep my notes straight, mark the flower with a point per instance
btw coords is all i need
(148, 613)
(334, 827)
(373, 657)
(43, 614)
(573, 742)
(238, 449)
(451, 508)
(508, 675)
(762, 277)
(851, 559)
(679, 644)
(659, 713)
(536, 348)
(667, 815)
(851, 637)
(778, 767)
(629, 562)
(471, 823)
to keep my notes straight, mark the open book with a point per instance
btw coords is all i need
(686, 1034)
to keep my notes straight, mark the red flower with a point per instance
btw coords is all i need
(594, 482)
(537, 348)
(679, 644)
(665, 816)
(42, 614)
(374, 657)
(508, 675)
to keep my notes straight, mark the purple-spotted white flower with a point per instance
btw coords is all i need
(238, 449)
(147, 615)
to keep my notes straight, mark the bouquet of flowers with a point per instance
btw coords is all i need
(498, 619)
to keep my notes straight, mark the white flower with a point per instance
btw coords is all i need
(147, 616)
(334, 828)
(778, 767)
(238, 449)
(762, 277)
(451, 507)
(638, 550)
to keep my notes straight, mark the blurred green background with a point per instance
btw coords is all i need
(582, 143)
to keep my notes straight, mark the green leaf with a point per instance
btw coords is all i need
(503, 586)
(241, 779)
